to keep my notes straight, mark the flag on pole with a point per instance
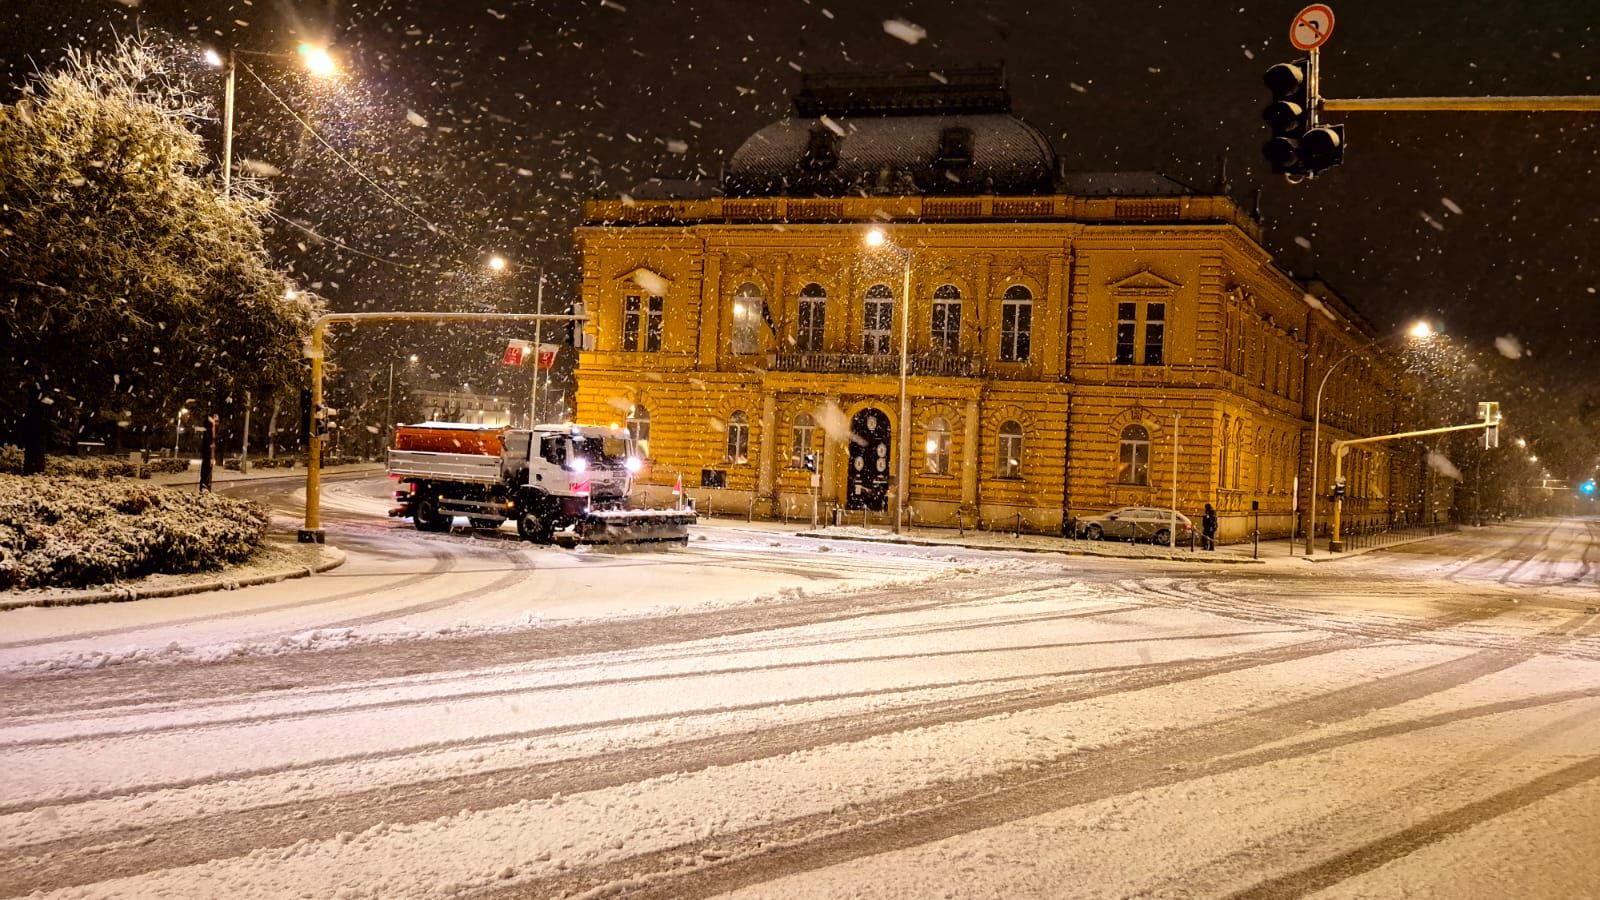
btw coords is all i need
(547, 355)
(516, 352)
(677, 491)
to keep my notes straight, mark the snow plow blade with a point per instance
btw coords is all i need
(633, 526)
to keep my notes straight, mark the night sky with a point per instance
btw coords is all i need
(492, 121)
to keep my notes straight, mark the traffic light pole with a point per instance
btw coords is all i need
(311, 531)
(1340, 448)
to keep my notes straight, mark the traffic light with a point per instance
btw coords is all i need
(810, 461)
(1338, 489)
(1298, 146)
(1489, 415)
(1588, 488)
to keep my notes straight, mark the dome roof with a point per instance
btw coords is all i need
(993, 153)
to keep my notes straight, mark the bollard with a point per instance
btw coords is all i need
(1016, 531)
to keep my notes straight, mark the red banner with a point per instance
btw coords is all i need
(516, 352)
(547, 355)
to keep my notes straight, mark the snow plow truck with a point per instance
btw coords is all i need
(564, 484)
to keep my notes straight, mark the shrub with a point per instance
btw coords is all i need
(74, 532)
(91, 466)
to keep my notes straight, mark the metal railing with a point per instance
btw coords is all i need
(925, 363)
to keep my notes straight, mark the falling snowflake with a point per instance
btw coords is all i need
(414, 119)
(1450, 205)
(910, 32)
(1509, 346)
(1303, 242)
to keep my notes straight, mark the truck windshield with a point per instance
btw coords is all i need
(600, 450)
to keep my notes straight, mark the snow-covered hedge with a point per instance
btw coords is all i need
(91, 466)
(69, 532)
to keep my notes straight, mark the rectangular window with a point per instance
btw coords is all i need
(1016, 330)
(877, 325)
(1127, 327)
(801, 443)
(1155, 332)
(947, 324)
(1135, 462)
(938, 452)
(630, 323)
(1009, 459)
(813, 318)
(652, 334)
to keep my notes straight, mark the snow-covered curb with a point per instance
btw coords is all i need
(226, 580)
(1057, 545)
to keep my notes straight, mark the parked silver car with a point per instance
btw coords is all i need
(1137, 523)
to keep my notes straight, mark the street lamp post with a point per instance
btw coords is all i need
(316, 60)
(877, 238)
(388, 403)
(1419, 331)
(177, 429)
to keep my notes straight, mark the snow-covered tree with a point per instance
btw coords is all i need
(128, 282)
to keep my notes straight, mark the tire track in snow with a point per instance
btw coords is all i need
(443, 563)
(756, 855)
(238, 677)
(98, 856)
(531, 691)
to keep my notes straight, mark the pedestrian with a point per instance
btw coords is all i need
(1208, 528)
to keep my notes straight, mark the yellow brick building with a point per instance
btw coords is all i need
(1075, 343)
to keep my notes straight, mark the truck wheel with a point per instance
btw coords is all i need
(428, 517)
(534, 527)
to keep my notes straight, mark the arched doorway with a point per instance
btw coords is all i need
(868, 485)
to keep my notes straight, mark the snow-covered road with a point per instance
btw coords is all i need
(760, 715)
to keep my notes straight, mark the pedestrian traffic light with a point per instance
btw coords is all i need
(810, 461)
(1298, 146)
(1338, 489)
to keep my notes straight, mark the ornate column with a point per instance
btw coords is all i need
(971, 447)
(768, 450)
(710, 313)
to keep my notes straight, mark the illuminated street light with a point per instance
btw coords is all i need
(497, 263)
(1420, 331)
(876, 238)
(316, 60)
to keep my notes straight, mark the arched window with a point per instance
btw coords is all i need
(1008, 458)
(811, 321)
(938, 447)
(947, 318)
(1016, 324)
(749, 309)
(739, 438)
(1237, 445)
(639, 428)
(804, 428)
(1133, 464)
(877, 319)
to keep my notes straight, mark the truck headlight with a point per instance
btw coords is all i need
(633, 465)
(578, 465)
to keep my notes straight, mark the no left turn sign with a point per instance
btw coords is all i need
(1311, 27)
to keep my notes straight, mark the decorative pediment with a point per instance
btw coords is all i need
(646, 278)
(1143, 283)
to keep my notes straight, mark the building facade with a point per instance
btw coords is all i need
(1070, 344)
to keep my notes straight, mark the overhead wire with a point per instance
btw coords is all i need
(432, 226)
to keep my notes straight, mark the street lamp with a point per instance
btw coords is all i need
(388, 405)
(1420, 331)
(316, 60)
(877, 238)
(499, 264)
(177, 430)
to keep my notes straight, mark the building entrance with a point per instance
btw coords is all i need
(868, 485)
